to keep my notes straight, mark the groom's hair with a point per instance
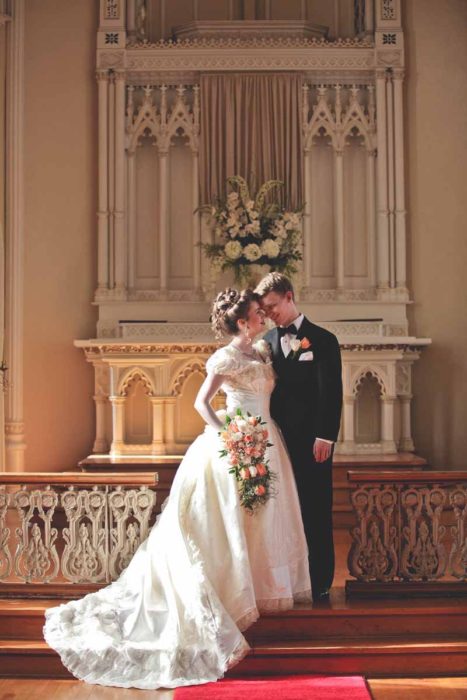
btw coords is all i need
(275, 282)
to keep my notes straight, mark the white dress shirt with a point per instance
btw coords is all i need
(285, 345)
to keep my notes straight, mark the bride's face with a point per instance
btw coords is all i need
(254, 322)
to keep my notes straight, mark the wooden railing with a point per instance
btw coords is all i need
(63, 531)
(410, 534)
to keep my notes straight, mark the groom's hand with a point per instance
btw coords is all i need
(322, 450)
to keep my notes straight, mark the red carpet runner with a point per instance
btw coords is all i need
(280, 688)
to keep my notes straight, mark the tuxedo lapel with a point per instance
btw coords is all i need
(276, 344)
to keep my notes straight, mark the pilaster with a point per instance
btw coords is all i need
(14, 293)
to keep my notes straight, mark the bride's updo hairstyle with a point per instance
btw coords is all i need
(229, 307)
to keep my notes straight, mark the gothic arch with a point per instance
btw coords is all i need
(373, 373)
(133, 374)
(183, 374)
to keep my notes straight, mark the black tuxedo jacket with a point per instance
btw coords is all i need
(307, 399)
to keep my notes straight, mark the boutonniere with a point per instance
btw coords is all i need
(298, 346)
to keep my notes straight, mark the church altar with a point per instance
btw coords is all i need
(146, 381)
(154, 286)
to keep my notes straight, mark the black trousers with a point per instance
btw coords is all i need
(314, 484)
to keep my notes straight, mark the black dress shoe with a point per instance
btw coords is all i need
(322, 594)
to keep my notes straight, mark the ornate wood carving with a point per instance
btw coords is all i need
(84, 557)
(458, 553)
(104, 526)
(373, 555)
(129, 514)
(405, 531)
(6, 560)
(36, 557)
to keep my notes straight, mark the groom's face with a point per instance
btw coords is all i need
(279, 307)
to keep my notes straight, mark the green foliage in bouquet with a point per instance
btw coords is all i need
(250, 231)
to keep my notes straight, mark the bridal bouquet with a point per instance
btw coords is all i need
(245, 439)
(249, 232)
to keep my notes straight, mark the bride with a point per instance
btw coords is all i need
(208, 568)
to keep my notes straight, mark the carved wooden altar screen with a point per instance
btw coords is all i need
(154, 286)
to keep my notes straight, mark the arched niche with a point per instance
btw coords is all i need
(188, 422)
(138, 412)
(368, 418)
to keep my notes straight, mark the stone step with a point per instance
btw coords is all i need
(399, 658)
(24, 619)
(375, 658)
(365, 619)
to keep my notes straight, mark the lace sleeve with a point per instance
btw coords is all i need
(223, 362)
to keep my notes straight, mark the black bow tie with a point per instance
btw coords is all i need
(292, 329)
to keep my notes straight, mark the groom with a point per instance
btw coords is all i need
(306, 403)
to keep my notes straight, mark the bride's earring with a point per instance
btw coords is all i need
(247, 335)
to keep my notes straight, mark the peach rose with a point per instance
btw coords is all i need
(245, 473)
(261, 469)
(260, 490)
(305, 344)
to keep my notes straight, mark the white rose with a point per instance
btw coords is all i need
(294, 344)
(236, 437)
(254, 227)
(252, 252)
(233, 250)
(270, 248)
(242, 424)
(253, 472)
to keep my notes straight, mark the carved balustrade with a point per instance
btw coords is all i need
(411, 532)
(61, 529)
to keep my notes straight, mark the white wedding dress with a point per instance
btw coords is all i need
(206, 571)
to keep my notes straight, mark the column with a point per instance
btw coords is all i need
(401, 265)
(382, 182)
(369, 17)
(339, 213)
(387, 428)
(158, 445)
(348, 424)
(119, 214)
(14, 259)
(131, 19)
(370, 211)
(170, 423)
(196, 231)
(111, 176)
(131, 218)
(118, 424)
(100, 443)
(406, 441)
(307, 220)
(103, 184)
(391, 196)
(163, 218)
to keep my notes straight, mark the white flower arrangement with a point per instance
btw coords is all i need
(248, 231)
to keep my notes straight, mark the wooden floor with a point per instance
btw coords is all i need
(381, 689)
